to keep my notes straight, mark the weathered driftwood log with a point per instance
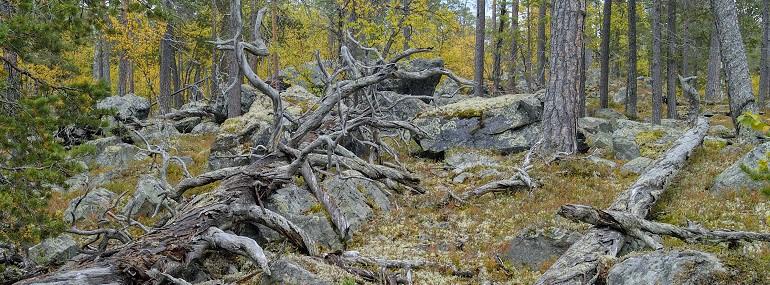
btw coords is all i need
(638, 227)
(578, 265)
(520, 181)
(692, 96)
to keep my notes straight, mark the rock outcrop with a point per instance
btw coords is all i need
(93, 203)
(358, 199)
(126, 107)
(672, 267)
(52, 251)
(534, 247)
(507, 124)
(735, 178)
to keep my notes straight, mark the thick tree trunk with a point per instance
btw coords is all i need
(166, 69)
(581, 112)
(125, 68)
(734, 60)
(657, 86)
(562, 92)
(764, 83)
(528, 56)
(686, 41)
(514, 46)
(540, 72)
(230, 76)
(631, 76)
(714, 81)
(496, 54)
(478, 63)
(406, 30)
(101, 63)
(671, 78)
(579, 264)
(605, 53)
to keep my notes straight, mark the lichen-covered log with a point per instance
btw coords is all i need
(638, 227)
(579, 265)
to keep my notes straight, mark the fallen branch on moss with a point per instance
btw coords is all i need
(520, 181)
(579, 264)
(639, 227)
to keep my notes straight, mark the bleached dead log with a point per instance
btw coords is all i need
(203, 179)
(579, 264)
(633, 225)
(520, 181)
(237, 244)
(692, 96)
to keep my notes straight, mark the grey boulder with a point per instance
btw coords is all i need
(205, 128)
(150, 194)
(53, 250)
(117, 156)
(637, 165)
(93, 203)
(534, 247)
(507, 124)
(735, 178)
(126, 106)
(673, 267)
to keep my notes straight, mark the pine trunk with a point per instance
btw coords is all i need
(497, 57)
(514, 46)
(605, 53)
(686, 72)
(763, 62)
(734, 61)
(631, 79)
(657, 86)
(562, 90)
(714, 81)
(671, 78)
(478, 63)
(166, 69)
(125, 72)
(540, 73)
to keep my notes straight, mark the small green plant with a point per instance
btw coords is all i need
(348, 281)
(760, 172)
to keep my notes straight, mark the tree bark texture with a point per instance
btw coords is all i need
(166, 69)
(657, 82)
(764, 84)
(734, 61)
(714, 92)
(478, 62)
(631, 98)
(605, 53)
(671, 75)
(496, 54)
(541, 21)
(514, 46)
(125, 68)
(562, 90)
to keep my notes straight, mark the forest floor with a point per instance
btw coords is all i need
(472, 235)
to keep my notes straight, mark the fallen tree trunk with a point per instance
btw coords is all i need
(634, 226)
(579, 264)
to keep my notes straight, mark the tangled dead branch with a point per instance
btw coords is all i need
(639, 227)
(520, 181)
(312, 146)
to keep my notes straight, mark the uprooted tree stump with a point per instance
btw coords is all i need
(305, 147)
(581, 262)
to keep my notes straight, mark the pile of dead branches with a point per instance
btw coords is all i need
(314, 145)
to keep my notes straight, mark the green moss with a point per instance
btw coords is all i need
(647, 143)
(316, 208)
(714, 144)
